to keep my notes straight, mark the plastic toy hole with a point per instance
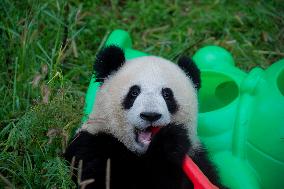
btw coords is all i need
(280, 82)
(217, 91)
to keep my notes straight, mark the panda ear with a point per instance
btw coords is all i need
(191, 70)
(108, 60)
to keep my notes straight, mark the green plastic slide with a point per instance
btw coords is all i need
(241, 115)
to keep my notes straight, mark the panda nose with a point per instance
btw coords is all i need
(150, 116)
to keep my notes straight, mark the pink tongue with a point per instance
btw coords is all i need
(145, 137)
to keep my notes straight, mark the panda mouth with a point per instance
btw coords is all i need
(144, 136)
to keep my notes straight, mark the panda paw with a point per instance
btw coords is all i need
(171, 142)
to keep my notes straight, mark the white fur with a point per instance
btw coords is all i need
(151, 74)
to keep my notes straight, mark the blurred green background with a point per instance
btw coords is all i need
(48, 49)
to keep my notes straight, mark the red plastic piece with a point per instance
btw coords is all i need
(199, 180)
(155, 129)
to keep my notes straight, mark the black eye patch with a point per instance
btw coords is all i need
(171, 102)
(132, 94)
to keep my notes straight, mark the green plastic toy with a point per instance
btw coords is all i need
(241, 116)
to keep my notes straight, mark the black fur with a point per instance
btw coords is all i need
(159, 168)
(108, 60)
(129, 99)
(191, 70)
(171, 102)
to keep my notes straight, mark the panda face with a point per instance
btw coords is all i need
(145, 93)
(148, 106)
(145, 105)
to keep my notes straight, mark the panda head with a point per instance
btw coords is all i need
(141, 94)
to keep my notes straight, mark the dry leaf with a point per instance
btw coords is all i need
(36, 80)
(45, 93)
(44, 70)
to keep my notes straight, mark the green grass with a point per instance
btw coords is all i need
(47, 49)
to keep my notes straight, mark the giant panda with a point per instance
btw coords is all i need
(143, 122)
